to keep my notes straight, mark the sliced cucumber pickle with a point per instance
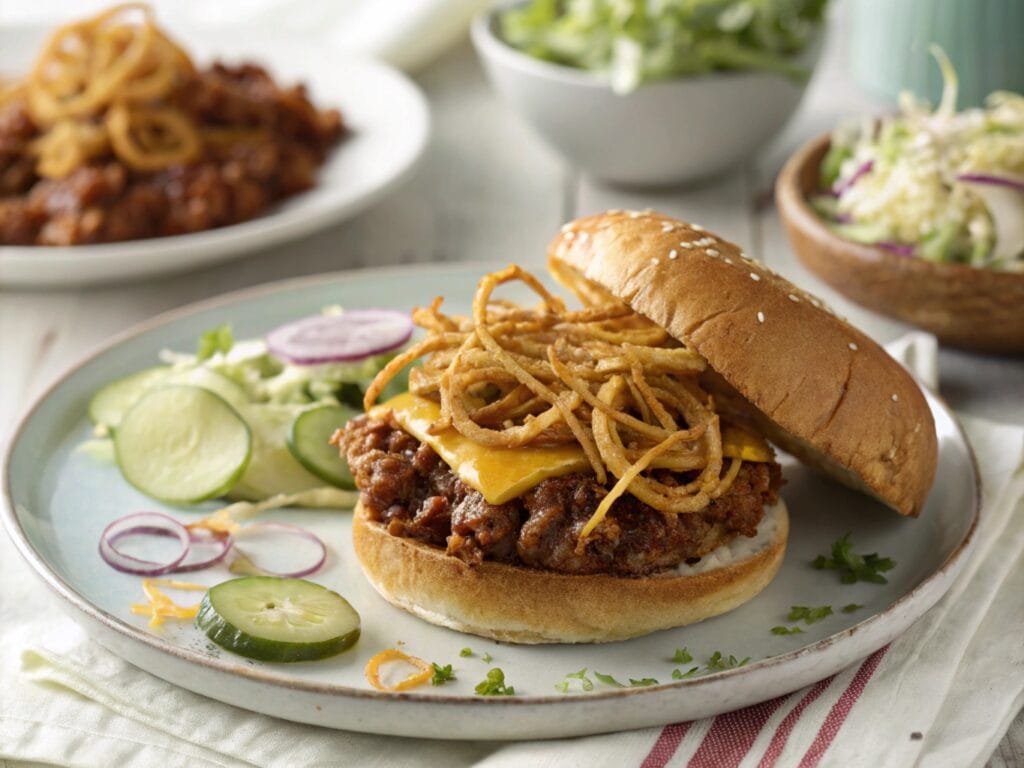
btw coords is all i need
(276, 619)
(307, 440)
(109, 405)
(182, 444)
(218, 383)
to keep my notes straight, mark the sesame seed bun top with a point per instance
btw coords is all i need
(811, 382)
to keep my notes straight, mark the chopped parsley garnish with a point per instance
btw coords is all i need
(718, 662)
(466, 652)
(487, 658)
(851, 608)
(678, 674)
(642, 682)
(441, 674)
(219, 339)
(494, 684)
(608, 680)
(562, 687)
(853, 567)
(786, 630)
(807, 614)
(586, 683)
(682, 656)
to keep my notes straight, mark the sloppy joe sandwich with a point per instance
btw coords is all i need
(594, 473)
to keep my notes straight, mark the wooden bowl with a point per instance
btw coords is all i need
(966, 307)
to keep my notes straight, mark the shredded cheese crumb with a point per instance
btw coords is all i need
(160, 606)
(393, 654)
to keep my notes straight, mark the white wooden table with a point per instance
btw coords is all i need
(488, 189)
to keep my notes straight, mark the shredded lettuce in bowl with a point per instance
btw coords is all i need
(941, 185)
(636, 41)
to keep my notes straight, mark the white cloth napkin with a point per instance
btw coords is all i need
(955, 678)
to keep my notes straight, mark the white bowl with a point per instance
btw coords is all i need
(664, 132)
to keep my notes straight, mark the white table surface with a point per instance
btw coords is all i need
(489, 190)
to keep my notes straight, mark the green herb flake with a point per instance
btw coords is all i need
(853, 567)
(678, 674)
(682, 656)
(487, 658)
(586, 683)
(494, 684)
(851, 608)
(608, 680)
(562, 687)
(219, 339)
(786, 630)
(717, 662)
(807, 614)
(643, 682)
(466, 652)
(441, 674)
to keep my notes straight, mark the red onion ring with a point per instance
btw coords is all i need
(863, 168)
(159, 524)
(993, 179)
(224, 543)
(900, 249)
(295, 531)
(143, 522)
(355, 334)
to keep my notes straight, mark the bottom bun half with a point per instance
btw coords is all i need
(523, 605)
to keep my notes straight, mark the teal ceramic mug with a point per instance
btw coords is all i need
(983, 38)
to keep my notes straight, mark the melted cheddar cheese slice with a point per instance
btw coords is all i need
(502, 474)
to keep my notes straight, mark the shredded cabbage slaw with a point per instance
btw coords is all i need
(941, 185)
(635, 41)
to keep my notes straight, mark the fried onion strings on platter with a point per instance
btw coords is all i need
(603, 377)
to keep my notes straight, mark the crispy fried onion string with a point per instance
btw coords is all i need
(604, 378)
(105, 84)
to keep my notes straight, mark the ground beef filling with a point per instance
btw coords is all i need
(407, 487)
(287, 139)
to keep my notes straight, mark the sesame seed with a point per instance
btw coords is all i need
(583, 237)
(711, 252)
(634, 214)
(667, 226)
(754, 276)
(852, 346)
(895, 397)
(673, 254)
(815, 302)
(566, 227)
(697, 227)
(727, 260)
(569, 234)
(760, 317)
(654, 261)
(794, 298)
(686, 244)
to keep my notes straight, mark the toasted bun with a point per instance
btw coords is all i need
(524, 605)
(811, 382)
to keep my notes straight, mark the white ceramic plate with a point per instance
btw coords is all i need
(385, 111)
(58, 498)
